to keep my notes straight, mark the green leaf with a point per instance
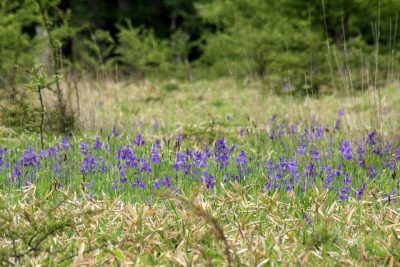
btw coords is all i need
(118, 254)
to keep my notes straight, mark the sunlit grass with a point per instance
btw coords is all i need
(179, 230)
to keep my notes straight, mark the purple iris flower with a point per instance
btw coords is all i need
(164, 181)
(371, 138)
(315, 154)
(341, 112)
(337, 124)
(346, 149)
(155, 155)
(344, 192)
(65, 143)
(360, 191)
(208, 180)
(307, 219)
(83, 147)
(371, 171)
(139, 140)
(29, 158)
(138, 183)
(97, 144)
(115, 132)
(145, 166)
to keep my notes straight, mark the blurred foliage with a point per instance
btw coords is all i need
(294, 46)
(15, 42)
(140, 50)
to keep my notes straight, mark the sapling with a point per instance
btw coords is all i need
(38, 83)
(57, 33)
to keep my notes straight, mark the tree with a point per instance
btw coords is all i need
(254, 37)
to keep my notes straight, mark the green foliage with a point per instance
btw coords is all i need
(140, 50)
(17, 49)
(95, 53)
(20, 115)
(171, 87)
(254, 38)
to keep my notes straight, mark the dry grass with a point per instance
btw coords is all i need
(104, 104)
(198, 231)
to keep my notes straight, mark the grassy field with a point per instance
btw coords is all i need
(215, 173)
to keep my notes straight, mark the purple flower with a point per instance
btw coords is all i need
(360, 152)
(200, 159)
(65, 143)
(122, 174)
(347, 180)
(115, 132)
(328, 177)
(222, 153)
(164, 181)
(139, 140)
(57, 169)
(179, 137)
(309, 171)
(315, 154)
(157, 144)
(97, 144)
(307, 219)
(292, 166)
(241, 132)
(83, 148)
(182, 161)
(145, 166)
(52, 152)
(360, 191)
(208, 180)
(29, 158)
(378, 151)
(155, 125)
(318, 132)
(337, 124)
(16, 172)
(42, 154)
(371, 138)
(114, 184)
(392, 193)
(346, 150)
(391, 165)
(293, 128)
(138, 183)
(155, 155)
(241, 158)
(341, 112)
(344, 192)
(273, 118)
(371, 171)
(88, 163)
(301, 149)
(397, 156)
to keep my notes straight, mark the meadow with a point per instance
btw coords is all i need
(211, 173)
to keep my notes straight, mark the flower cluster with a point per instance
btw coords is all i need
(292, 159)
